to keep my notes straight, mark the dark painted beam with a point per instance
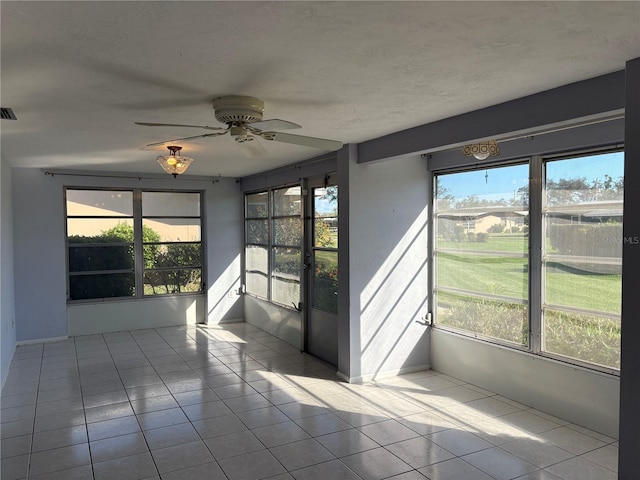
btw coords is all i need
(584, 99)
(589, 137)
(630, 359)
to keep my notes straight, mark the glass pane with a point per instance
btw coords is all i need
(171, 230)
(588, 286)
(582, 267)
(287, 201)
(99, 203)
(592, 180)
(499, 319)
(287, 231)
(589, 338)
(257, 205)
(170, 204)
(325, 281)
(325, 229)
(98, 230)
(482, 245)
(173, 255)
(257, 231)
(285, 286)
(162, 282)
(83, 259)
(494, 275)
(82, 287)
(257, 268)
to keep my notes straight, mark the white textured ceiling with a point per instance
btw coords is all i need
(79, 74)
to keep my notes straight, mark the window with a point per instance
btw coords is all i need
(133, 243)
(273, 245)
(481, 247)
(553, 289)
(325, 249)
(582, 258)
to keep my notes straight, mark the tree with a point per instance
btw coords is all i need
(124, 233)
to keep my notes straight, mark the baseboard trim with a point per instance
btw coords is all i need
(386, 374)
(42, 340)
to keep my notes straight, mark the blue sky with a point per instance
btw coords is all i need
(502, 182)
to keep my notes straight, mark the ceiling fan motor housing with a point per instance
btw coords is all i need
(238, 109)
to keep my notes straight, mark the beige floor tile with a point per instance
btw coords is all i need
(333, 469)
(387, 432)
(376, 464)
(279, 434)
(322, 424)
(14, 446)
(217, 426)
(459, 442)
(162, 418)
(571, 440)
(14, 468)
(233, 444)
(252, 466)
(172, 435)
(454, 469)
(112, 428)
(182, 456)
(419, 452)
(206, 471)
(301, 454)
(578, 468)
(536, 452)
(115, 447)
(84, 472)
(499, 464)
(262, 417)
(606, 457)
(59, 459)
(347, 442)
(133, 467)
(61, 437)
(154, 404)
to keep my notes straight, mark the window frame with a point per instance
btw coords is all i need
(536, 236)
(434, 271)
(138, 244)
(271, 244)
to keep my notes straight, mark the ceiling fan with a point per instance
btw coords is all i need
(243, 117)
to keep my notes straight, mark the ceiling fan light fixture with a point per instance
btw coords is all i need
(482, 150)
(174, 163)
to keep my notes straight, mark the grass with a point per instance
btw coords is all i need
(590, 338)
(508, 276)
(516, 243)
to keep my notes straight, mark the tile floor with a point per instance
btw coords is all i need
(233, 402)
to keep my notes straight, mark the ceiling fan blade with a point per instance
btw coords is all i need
(187, 138)
(251, 147)
(148, 124)
(273, 125)
(313, 142)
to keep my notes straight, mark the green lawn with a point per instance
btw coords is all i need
(508, 276)
(592, 338)
(516, 243)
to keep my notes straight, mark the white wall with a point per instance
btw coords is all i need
(7, 304)
(388, 267)
(581, 396)
(114, 316)
(40, 271)
(284, 323)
